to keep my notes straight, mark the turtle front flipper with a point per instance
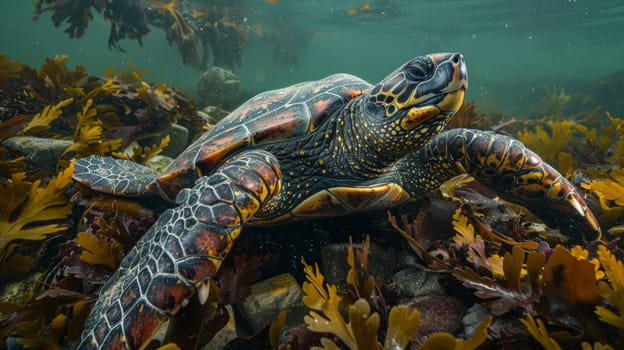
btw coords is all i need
(509, 168)
(115, 176)
(179, 254)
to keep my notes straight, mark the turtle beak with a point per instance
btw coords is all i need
(444, 91)
(457, 63)
(455, 89)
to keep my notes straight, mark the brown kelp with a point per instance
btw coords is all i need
(92, 115)
(200, 32)
(101, 114)
(365, 314)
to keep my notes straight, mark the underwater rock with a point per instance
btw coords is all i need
(41, 153)
(415, 281)
(225, 334)
(438, 313)
(381, 262)
(219, 87)
(159, 162)
(14, 291)
(267, 299)
(475, 315)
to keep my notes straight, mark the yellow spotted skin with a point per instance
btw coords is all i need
(331, 147)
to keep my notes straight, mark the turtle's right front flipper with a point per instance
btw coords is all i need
(179, 254)
(506, 166)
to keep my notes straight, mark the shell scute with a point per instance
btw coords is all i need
(272, 116)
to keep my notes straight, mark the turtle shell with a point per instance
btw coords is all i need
(272, 116)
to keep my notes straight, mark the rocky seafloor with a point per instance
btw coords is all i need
(460, 268)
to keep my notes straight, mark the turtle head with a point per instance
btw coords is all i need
(420, 96)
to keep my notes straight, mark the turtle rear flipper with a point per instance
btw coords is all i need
(115, 176)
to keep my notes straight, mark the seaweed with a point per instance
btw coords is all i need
(222, 33)
(548, 146)
(198, 31)
(467, 117)
(88, 136)
(9, 71)
(29, 208)
(539, 332)
(42, 120)
(142, 155)
(503, 297)
(514, 270)
(47, 321)
(465, 230)
(560, 282)
(236, 279)
(100, 250)
(608, 186)
(117, 108)
(612, 290)
(127, 18)
(360, 329)
(360, 332)
(178, 30)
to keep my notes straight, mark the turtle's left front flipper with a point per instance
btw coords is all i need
(509, 168)
(180, 253)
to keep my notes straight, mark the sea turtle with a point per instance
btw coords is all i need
(316, 149)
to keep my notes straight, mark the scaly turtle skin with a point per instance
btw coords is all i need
(330, 147)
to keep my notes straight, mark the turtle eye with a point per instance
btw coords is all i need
(416, 73)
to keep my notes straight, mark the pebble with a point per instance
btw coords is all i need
(438, 313)
(225, 334)
(267, 299)
(415, 281)
(40, 153)
(219, 86)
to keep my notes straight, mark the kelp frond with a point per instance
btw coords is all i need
(11, 166)
(100, 250)
(446, 341)
(465, 230)
(539, 332)
(126, 75)
(597, 346)
(108, 88)
(49, 320)
(506, 294)
(9, 69)
(88, 137)
(548, 145)
(143, 154)
(608, 186)
(41, 121)
(56, 76)
(357, 325)
(24, 208)
(325, 299)
(612, 289)
(363, 284)
(156, 97)
(561, 277)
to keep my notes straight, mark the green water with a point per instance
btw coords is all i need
(513, 48)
